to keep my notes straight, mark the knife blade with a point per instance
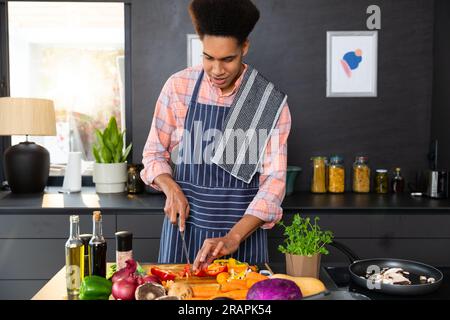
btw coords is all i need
(183, 241)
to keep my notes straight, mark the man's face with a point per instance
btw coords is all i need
(222, 60)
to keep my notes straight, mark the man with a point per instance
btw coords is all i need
(223, 211)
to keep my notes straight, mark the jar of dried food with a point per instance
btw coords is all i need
(336, 175)
(381, 181)
(361, 175)
(135, 184)
(319, 181)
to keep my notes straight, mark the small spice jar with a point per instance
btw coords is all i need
(319, 181)
(124, 248)
(381, 181)
(361, 175)
(336, 175)
(135, 184)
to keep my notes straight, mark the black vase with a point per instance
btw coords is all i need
(27, 166)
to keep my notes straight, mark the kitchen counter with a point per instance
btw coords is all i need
(334, 279)
(33, 227)
(55, 288)
(53, 202)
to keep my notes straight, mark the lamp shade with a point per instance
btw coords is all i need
(27, 116)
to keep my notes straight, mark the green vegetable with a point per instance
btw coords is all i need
(140, 271)
(95, 288)
(304, 238)
(109, 147)
(111, 270)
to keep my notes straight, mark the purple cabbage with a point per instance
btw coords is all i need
(274, 289)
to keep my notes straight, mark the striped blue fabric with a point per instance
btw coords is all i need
(217, 200)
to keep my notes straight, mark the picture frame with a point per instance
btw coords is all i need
(352, 63)
(194, 50)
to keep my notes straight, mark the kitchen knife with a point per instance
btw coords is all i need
(183, 240)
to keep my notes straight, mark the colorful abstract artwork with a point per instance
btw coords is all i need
(352, 63)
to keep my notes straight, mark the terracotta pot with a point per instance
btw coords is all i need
(303, 266)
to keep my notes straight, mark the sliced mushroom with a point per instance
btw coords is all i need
(149, 291)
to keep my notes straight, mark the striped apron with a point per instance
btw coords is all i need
(217, 200)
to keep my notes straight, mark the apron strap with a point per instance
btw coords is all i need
(197, 87)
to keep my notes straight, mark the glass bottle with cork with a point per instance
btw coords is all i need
(398, 182)
(74, 250)
(97, 248)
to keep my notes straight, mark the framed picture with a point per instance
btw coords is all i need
(194, 50)
(352, 63)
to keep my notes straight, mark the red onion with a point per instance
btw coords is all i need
(151, 278)
(124, 289)
(125, 272)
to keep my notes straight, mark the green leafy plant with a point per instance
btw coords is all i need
(304, 238)
(109, 147)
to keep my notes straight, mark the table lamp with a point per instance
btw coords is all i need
(27, 164)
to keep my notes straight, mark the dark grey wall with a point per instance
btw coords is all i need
(441, 92)
(289, 46)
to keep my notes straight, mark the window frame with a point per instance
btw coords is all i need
(5, 141)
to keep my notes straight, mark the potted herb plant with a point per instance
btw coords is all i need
(110, 167)
(303, 246)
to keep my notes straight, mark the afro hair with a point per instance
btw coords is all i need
(228, 18)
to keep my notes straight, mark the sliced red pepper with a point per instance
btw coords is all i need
(216, 268)
(186, 271)
(211, 271)
(162, 274)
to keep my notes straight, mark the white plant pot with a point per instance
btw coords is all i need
(110, 177)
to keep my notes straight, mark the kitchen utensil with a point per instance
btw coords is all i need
(183, 241)
(359, 268)
(437, 184)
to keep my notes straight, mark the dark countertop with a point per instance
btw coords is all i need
(53, 202)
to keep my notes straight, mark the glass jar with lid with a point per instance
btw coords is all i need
(361, 175)
(319, 180)
(135, 184)
(336, 175)
(381, 181)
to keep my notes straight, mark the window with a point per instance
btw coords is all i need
(74, 54)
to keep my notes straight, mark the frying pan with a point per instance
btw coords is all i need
(359, 268)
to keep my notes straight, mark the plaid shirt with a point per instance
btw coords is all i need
(167, 128)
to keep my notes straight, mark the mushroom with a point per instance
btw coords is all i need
(180, 290)
(149, 291)
(168, 298)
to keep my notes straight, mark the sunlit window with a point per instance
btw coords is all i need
(73, 54)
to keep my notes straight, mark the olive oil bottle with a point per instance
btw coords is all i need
(97, 248)
(74, 259)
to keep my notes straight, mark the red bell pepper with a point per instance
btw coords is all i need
(211, 271)
(162, 274)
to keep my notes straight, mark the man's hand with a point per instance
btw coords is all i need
(176, 202)
(215, 248)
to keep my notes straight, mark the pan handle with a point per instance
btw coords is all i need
(345, 250)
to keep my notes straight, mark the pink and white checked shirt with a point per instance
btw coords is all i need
(167, 128)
